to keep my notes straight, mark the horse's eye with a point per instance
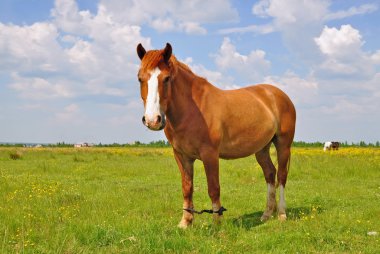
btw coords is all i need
(140, 80)
(166, 80)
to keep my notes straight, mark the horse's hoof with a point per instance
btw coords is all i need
(282, 217)
(265, 217)
(217, 219)
(184, 224)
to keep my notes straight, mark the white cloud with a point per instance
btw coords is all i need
(297, 22)
(37, 88)
(344, 54)
(260, 29)
(291, 11)
(339, 43)
(345, 108)
(69, 114)
(352, 11)
(301, 91)
(376, 57)
(192, 28)
(214, 77)
(205, 11)
(181, 16)
(68, 17)
(163, 24)
(169, 25)
(71, 49)
(252, 66)
(302, 13)
(82, 55)
(32, 106)
(372, 88)
(41, 52)
(289, 17)
(128, 113)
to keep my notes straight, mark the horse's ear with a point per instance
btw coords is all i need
(140, 51)
(167, 52)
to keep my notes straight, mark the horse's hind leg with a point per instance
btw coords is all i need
(264, 160)
(283, 144)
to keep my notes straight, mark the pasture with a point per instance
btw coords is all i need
(129, 200)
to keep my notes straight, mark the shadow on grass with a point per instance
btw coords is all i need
(248, 221)
(252, 220)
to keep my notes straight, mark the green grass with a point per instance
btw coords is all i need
(129, 200)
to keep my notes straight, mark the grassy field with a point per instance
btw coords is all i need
(128, 200)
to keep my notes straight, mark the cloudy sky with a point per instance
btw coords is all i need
(68, 68)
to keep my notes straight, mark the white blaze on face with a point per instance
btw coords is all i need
(152, 107)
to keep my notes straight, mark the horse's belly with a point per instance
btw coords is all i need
(240, 150)
(245, 143)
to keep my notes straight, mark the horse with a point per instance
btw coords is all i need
(331, 145)
(203, 122)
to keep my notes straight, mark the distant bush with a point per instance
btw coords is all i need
(10, 145)
(61, 144)
(15, 155)
(307, 144)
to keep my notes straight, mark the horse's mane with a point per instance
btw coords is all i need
(175, 61)
(154, 58)
(175, 65)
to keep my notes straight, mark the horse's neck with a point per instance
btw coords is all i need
(186, 87)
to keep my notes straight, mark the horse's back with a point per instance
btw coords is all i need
(270, 97)
(252, 117)
(280, 104)
(270, 94)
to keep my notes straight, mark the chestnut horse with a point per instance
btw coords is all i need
(206, 123)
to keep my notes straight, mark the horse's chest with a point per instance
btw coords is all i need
(186, 146)
(184, 142)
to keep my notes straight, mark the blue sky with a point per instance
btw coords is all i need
(68, 68)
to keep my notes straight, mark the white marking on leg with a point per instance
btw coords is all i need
(187, 217)
(271, 202)
(282, 204)
(152, 108)
(271, 197)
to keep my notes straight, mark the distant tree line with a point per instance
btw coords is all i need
(342, 144)
(159, 143)
(164, 143)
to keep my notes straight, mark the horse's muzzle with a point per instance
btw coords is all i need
(157, 124)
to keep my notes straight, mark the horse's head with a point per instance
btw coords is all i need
(154, 77)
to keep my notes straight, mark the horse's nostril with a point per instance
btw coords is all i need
(158, 119)
(143, 120)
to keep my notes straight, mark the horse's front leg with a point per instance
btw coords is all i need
(186, 167)
(211, 165)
